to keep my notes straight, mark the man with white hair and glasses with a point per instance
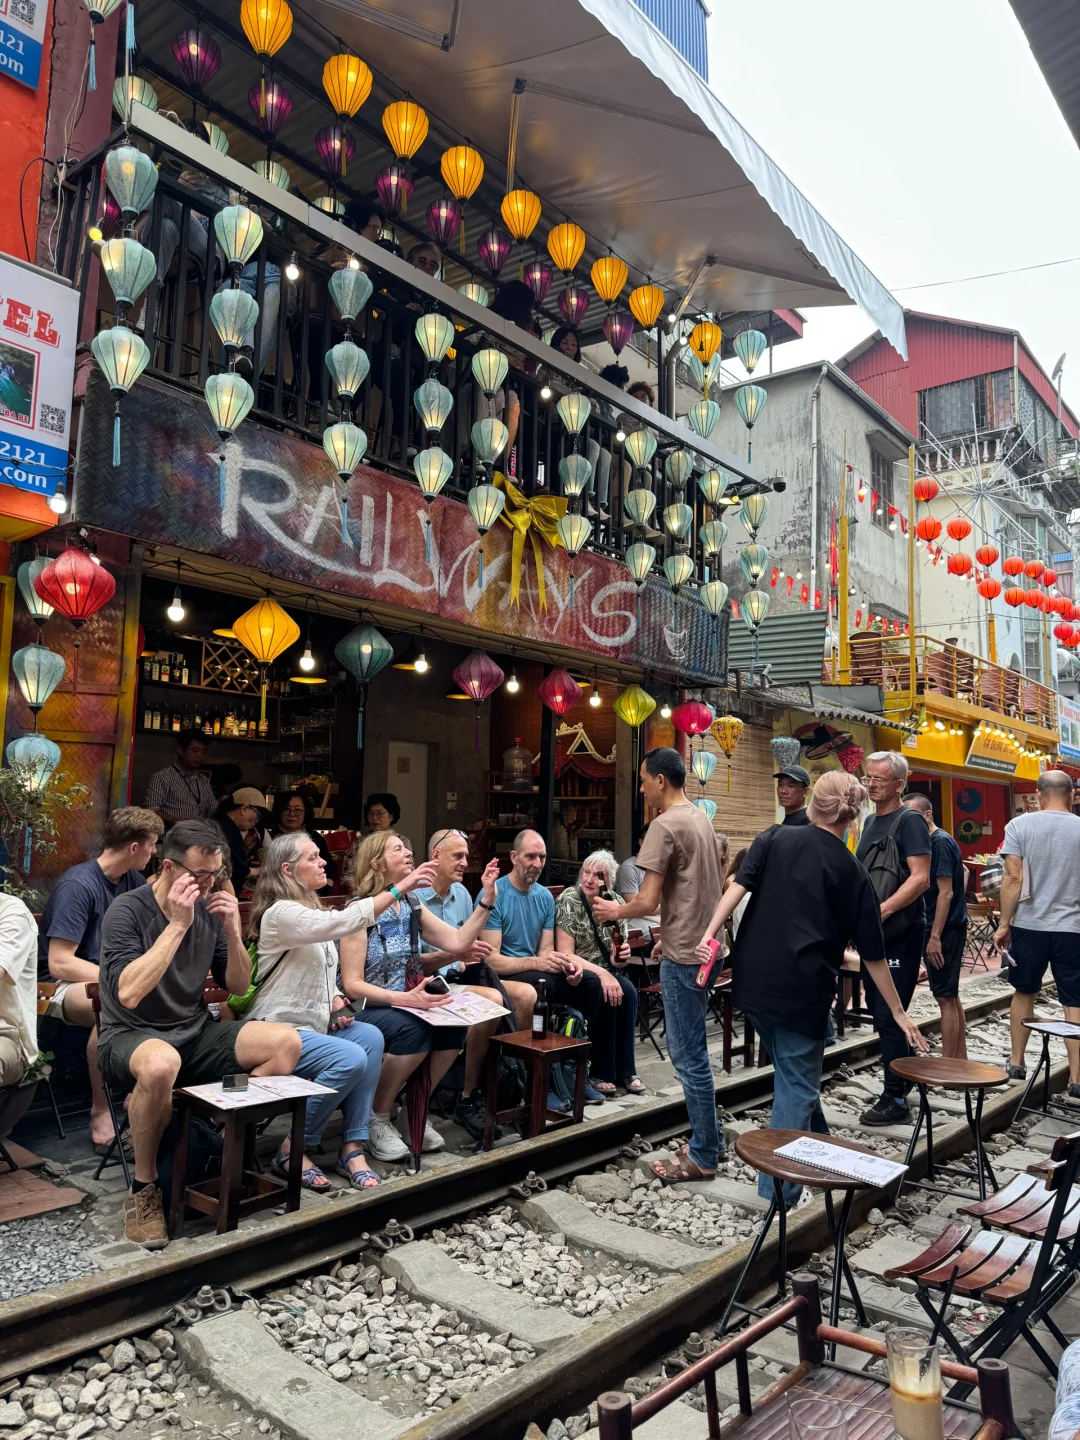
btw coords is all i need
(895, 849)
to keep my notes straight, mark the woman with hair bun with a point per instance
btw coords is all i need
(810, 899)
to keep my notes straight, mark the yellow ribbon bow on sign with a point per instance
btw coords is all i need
(537, 518)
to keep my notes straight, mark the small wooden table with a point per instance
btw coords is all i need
(1063, 1030)
(946, 1074)
(240, 1190)
(538, 1053)
(758, 1148)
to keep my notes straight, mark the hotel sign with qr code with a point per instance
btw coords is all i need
(39, 316)
(22, 37)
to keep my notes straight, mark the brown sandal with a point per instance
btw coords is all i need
(680, 1167)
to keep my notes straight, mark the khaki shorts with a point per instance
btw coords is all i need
(206, 1057)
(55, 1009)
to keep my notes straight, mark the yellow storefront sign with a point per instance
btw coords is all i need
(993, 752)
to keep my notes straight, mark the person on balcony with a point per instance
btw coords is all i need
(599, 455)
(945, 925)
(515, 303)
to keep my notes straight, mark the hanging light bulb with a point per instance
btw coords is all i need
(545, 392)
(292, 269)
(57, 501)
(420, 664)
(176, 611)
(594, 698)
(307, 660)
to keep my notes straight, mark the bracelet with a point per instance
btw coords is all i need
(484, 906)
(394, 891)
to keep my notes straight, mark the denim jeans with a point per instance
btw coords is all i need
(613, 1033)
(904, 958)
(796, 1103)
(348, 1061)
(271, 303)
(685, 1008)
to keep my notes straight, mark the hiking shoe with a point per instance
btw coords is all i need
(469, 1113)
(432, 1139)
(1017, 1072)
(384, 1141)
(144, 1219)
(886, 1111)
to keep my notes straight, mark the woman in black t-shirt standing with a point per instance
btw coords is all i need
(810, 899)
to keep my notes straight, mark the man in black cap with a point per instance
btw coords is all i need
(792, 784)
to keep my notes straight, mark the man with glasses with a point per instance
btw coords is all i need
(157, 944)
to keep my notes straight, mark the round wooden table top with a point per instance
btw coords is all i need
(1065, 1029)
(758, 1147)
(951, 1074)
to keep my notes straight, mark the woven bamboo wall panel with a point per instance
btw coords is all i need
(751, 805)
(79, 831)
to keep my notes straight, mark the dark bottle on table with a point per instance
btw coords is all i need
(540, 1010)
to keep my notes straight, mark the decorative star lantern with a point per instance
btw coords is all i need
(363, 653)
(478, 676)
(559, 691)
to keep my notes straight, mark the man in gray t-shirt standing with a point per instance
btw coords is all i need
(1040, 914)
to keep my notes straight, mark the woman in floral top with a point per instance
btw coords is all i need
(602, 948)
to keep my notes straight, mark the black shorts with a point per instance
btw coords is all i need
(945, 982)
(404, 1033)
(209, 1056)
(1033, 950)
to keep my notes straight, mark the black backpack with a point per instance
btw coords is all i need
(565, 1020)
(888, 872)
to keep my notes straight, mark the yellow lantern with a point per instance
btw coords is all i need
(634, 706)
(266, 631)
(726, 730)
(462, 170)
(267, 25)
(347, 82)
(406, 126)
(705, 340)
(566, 245)
(608, 277)
(646, 303)
(520, 212)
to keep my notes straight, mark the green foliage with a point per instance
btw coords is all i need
(20, 808)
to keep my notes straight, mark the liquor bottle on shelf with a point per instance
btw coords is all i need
(177, 723)
(208, 724)
(540, 1010)
(166, 667)
(156, 721)
(155, 668)
(252, 726)
(147, 666)
(216, 722)
(147, 716)
(197, 722)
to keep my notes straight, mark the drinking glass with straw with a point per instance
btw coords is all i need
(816, 1420)
(915, 1382)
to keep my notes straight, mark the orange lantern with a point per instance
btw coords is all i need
(926, 489)
(1049, 578)
(989, 588)
(406, 127)
(1062, 632)
(267, 25)
(566, 245)
(347, 83)
(608, 277)
(520, 212)
(462, 170)
(1014, 596)
(705, 340)
(959, 564)
(1034, 569)
(959, 527)
(1033, 599)
(928, 529)
(1012, 565)
(986, 555)
(1073, 640)
(1061, 605)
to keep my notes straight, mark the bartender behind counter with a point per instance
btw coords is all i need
(181, 791)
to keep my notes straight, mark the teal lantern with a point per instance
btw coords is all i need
(348, 366)
(433, 468)
(486, 503)
(233, 314)
(749, 346)
(433, 404)
(703, 375)
(123, 356)
(239, 232)
(712, 484)
(229, 397)
(129, 267)
(678, 520)
(707, 807)
(574, 410)
(363, 653)
(749, 400)
(489, 368)
(678, 569)
(435, 335)
(640, 559)
(475, 292)
(703, 417)
(713, 537)
(350, 291)
(703, 764)
(33, 758)
(345, 444)
(132, 178)
(489, 439)
(29, 570)
(38, 671)
(639, 506)
(640, 447)
(679, 468)
(714, 596)
(753, 560)
(574, 472)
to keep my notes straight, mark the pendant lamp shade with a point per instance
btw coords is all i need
(678, 569)
(704, 340)
(574, 531)
(574, 472)
(132, 177)
(573, 304)
(646, 303)
(634, 706)
(754, 608)
(640, 447)
(271, 105)
(703, 764)
(345, 445)
(707, 807)
(350, 291)
(489, 439)
(29, 570)
(489, 368)
(122, 355)
(435, 335)
(485, 505)
(34, 759)
(239, 232)
(433, 468)
(538, 276)
(753, 560)
(703, 375)
(433, 404)
(714, 596)
(74, 586)
(566, 245)
(273, 172)
(462, 170)
(479, 676)
(755, 508)
(129, 267)
(679, 467)
(749, 400)
(129, 89)
(639, 506)
(444, 220)
(712, 483)
(364, 652)
(608, 276)
(493, 249)
(520, 210)
(348, 366)
(229, 397)
(692, 717)
(678, 520)
(38, 671)
(640, 559)
(198, 56)
(266, 630)
(749, 346)
(618, 328)
(574, 411)
(335, 147)
(406, 127)
(559, 691)
(477, 293)
(216, 137)
(713, 535)
(703, 417)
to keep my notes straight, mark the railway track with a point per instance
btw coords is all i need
(426, 1250)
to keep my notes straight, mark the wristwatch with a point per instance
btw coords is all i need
(484, 906)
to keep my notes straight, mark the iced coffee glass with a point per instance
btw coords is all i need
(915, 1382)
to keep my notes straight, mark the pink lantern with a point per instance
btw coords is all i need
(478, 676)
(278, 108)
(573, 302)
(851, 757)
(444, 220)
(199, 57)
(538, 278)
(559, 691)
(493, 248)
(335, 147)
(618, 327)
(692, 717)
(394, 187)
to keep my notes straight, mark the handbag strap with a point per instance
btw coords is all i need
(604, 949)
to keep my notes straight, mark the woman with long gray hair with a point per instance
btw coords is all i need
(297, 984)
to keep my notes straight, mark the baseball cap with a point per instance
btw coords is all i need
(793, 772)
(248, 795)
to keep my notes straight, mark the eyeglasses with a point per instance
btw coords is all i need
(446, 835)
(200, 875)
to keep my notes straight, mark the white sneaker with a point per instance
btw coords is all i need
(385, 1143)
(432, 1139)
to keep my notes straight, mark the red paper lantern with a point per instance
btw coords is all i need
(692, 717)
(986, 555)
(928, 529)
(1049, 578)
(959, 527)
(1033, 599)
(75, 585)
(1062, 632)
(1014, 596)
(989, 588)
(1012, 565)
(1073, 640)
(1061, 605)
(559, 691)
(926, 489)
(959, 564)
(1070, 612)
(1033, 569)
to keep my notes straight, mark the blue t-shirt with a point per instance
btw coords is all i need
(522, 918)
(388, 949)
(945, 859)
(76, 908)
(455, 909)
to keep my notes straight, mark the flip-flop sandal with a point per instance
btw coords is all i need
(680, 1167)
(606, 1088)
(362, 1179)
(634, 1086)
(310, 1176)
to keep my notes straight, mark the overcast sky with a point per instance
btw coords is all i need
(926, 136)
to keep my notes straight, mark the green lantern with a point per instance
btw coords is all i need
(640, 447)
(350, 291)
(234, 314)
(703, 375)
(435, 335)
(749, 346)
(712, 484)
(239, 232)
(29, 570)
(129, 267)
(640, 559)
(489, 368)
(639, 506)
(489, 439)
(216, 137)
(273, 172)
(753, 560)
(433, 404)
(634, 705)
(229, 397)
(714, 595)
(678, 569)
(486, 504)
(475, 292)
(363, 653)
(679, 467)
(749, 400)
(38, 671)
(433, 468)
(703, 764)
(707, 807)
(348, 366)
(129, 89)
(753, 608)
(574, 471)
(574, 410)
(754, 510)
(703, 417)
(713, 536)
(678, 520)
(123, 356)
(574, 531)
(132, 178)
(345, 444)
(34, 759)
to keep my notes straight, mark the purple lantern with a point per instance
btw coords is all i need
(199, 57)
(538, 278)
(493, 248)
(478, 676)
(618, 327)
(573, 302)
(277, 110)
(444, 220)
(333, 145)
(394, 187)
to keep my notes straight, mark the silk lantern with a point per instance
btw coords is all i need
(272, 107)
(347, 83)
(755, 509)
(634, 706)
(348, 366)
(38, 671)
(489, 369)
(559, 691)
(989, 588)
(749, 346)
(608, 276)
(678, 468)
(520, 210)
(712, 535)
(123, 356)
(229, 397)
(129, 267)
(678, 569)
(350, 291)
(703, 764)
(712, 484)
(34, 759)
(363, 652)
(574, 472)
(538, 275)
(704, 340)
(478, 675)
(707, 807)
(394, 187)
(267, 25)
(39, 608)
(406, 126)
(959, 564)
(573, 304)
(1014, 596)
(132, 89)
(646, 302)
(986, 555)
(726, 730)
(703, 417)
(566, 245)
(265, 631)
(958, 528)
(462, 171)
(493, 249)
(693, 717)
(928, 528)
(132, 178)
(444, 220)
(1012, 565)
(753, 560)
(639, 505)
(75, 586)
(435, 335)
(573, 531)
(477, 293)
(786, 750)
(678, 520)
(433, 404)
(433, 468)
(198, 55)
(640, 447)
(926, 489)
(618, 328)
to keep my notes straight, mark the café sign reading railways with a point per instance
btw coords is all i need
(38, 321)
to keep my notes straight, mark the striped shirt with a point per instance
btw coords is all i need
(185, 794)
